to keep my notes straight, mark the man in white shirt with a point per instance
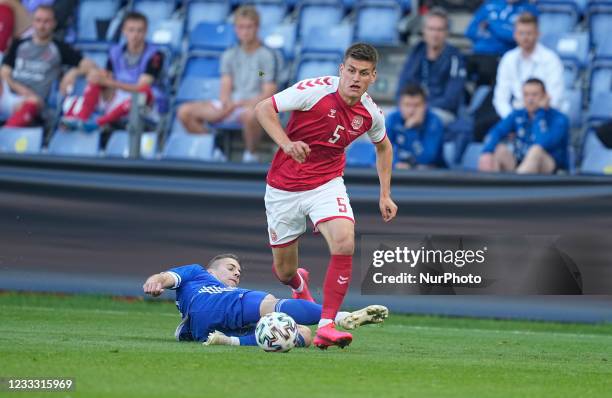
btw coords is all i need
(529, 60)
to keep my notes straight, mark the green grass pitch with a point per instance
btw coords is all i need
(116, 348)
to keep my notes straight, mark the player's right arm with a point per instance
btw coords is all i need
(268, 118)
(171, 279)
(155, 284)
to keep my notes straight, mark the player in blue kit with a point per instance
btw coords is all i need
(215, 310)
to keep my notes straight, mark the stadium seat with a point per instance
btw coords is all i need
(155, 10)
(597, 159)
(600, 108)
(600, 22)
(361, 153)
(168, 34)
(574, 47)
(189, 146)
(92, 13)
(315, 65)
(21, 140)
(603, 52)
(557, 17)
(74, 143)
(203, 65)
(385, 31)
(212, 37)
(271, 13)
(119, 145)
(281, 37)
(206, 11)
(97, 52)
(318, 15)
(574, 97)
(471, 156)
(335, 39)
(198, 89)
(601, 79)
(571, 75)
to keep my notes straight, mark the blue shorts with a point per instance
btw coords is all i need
(235, 315)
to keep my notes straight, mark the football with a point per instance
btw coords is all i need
(276, 332)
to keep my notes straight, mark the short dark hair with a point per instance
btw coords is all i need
(535, 80)
(135, 16)
(438, 12)
(362, 52)
(414, 90)
(45, 7)
(527, 18)
(221, 257)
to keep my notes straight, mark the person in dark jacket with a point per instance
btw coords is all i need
(437, 66)
(538, 133)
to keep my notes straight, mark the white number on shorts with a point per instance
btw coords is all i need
(336, 136)
(341, 205)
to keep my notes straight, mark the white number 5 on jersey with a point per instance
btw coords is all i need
(336, 136)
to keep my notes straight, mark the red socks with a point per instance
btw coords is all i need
(121, 110)
(294, 282)
(23, 116)
(91, 97)
(336, 284)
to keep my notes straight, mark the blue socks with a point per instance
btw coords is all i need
(249, 339)
(302, 311)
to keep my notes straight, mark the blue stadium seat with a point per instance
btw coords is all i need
(203, 65)
(317, 15)
(189, 147)
(596, 159)
(571, 75)
(271, 13)
(557, 17)
(198, 89)
(168, 34)
(315, 65)
(601, 79)
(119, 145)
(74, 143)
(281, 37)
(361, 153)
(377, 23)
(600, 22)
(21, 140)
(574, 47)
(603, 51)
(574, 97)
(335, 39)
(471, 156)
(210, 11)
(600, 108)
(155, 10)
(212, 37)
(89, 12)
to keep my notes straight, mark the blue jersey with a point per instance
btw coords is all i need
(209, 303)
(420, 145)
(492, 28)
(548, 128)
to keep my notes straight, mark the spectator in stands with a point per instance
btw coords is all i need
(416, 133)
(32, 65)
(133, 67)
(492, 35)
(539, 133)
(248, 73)
(438, 66)
(529, 60)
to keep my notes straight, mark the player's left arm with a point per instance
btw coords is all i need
(155, 284)
(384, 164)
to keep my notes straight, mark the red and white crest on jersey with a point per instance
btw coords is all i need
(357, 122)
(324, 121)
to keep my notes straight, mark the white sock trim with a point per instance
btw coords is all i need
(301, 287)
(324, 322)
(234, 340)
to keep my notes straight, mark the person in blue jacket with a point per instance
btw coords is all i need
(539, 134)
(416, 133)
(438, 66)
(491, 33)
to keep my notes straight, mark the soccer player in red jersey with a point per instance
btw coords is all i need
(305, 178)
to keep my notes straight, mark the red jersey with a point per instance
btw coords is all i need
(321, 119)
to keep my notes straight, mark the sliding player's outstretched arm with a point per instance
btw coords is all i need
(384, 164)
(155, 284)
